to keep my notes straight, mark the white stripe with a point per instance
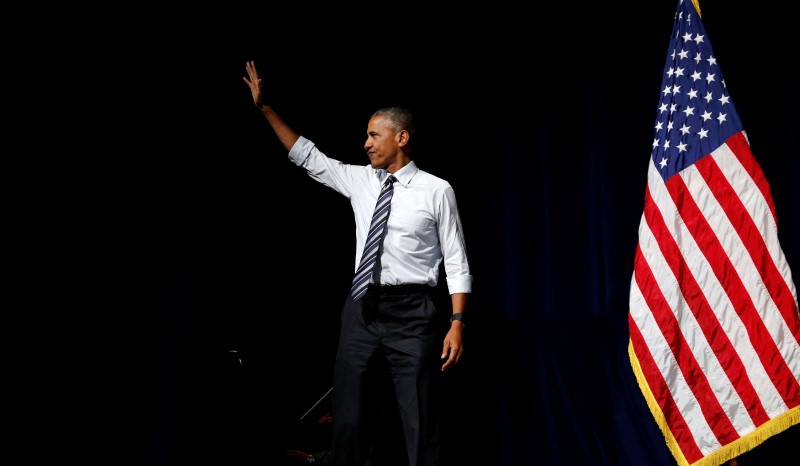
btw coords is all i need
(718, 380)
(720, 303)
(681, 393)
(757, 206)
(759, 211)
(751, 280)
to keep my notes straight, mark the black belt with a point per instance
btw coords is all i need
(412, 288)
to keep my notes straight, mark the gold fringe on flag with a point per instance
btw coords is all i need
(725, 453)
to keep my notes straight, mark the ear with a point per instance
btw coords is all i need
(402, 137)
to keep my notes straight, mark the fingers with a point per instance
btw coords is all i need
(453, 355)
(451, 362)
(250, 66)
(253, 82)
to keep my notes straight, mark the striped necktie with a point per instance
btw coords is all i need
(374, 239)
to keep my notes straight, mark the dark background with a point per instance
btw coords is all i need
(218, 292)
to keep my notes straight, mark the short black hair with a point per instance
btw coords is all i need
(400, 118)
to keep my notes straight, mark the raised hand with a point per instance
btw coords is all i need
(254, 83)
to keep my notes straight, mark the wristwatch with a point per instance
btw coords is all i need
(458, 316)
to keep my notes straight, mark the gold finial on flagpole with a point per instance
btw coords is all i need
(696, 4)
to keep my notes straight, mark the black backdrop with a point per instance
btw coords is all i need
(223, 292)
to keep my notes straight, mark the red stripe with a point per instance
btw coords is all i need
(715, 335)
(741, 148)
(665, 318)
(773, 280)
(766, 348)
(658, 387)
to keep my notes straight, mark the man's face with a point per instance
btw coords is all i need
(381, 144)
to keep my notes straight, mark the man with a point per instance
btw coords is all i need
(389, 312)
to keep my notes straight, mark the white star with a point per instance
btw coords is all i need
(692, 94)
(706, 115)
(708, 96)
(712, 61)
(681, 147)
(698, 57)
(696, 75)
(689, 111)
(684, 129)
(710, 78)
(698, 38)
(724, 99)
(721, 118)
(663, 162)
(663, 107)
(655, 143)
(703, 133)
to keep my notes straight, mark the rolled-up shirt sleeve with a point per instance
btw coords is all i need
(454, 250)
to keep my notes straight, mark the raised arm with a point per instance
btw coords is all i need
(285, 134)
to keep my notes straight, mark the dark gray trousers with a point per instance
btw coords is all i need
(399, 325)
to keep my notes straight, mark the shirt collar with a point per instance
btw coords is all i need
(403, 175)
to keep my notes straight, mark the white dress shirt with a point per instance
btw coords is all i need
(424, 227)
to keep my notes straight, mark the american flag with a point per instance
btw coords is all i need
(714, 322)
